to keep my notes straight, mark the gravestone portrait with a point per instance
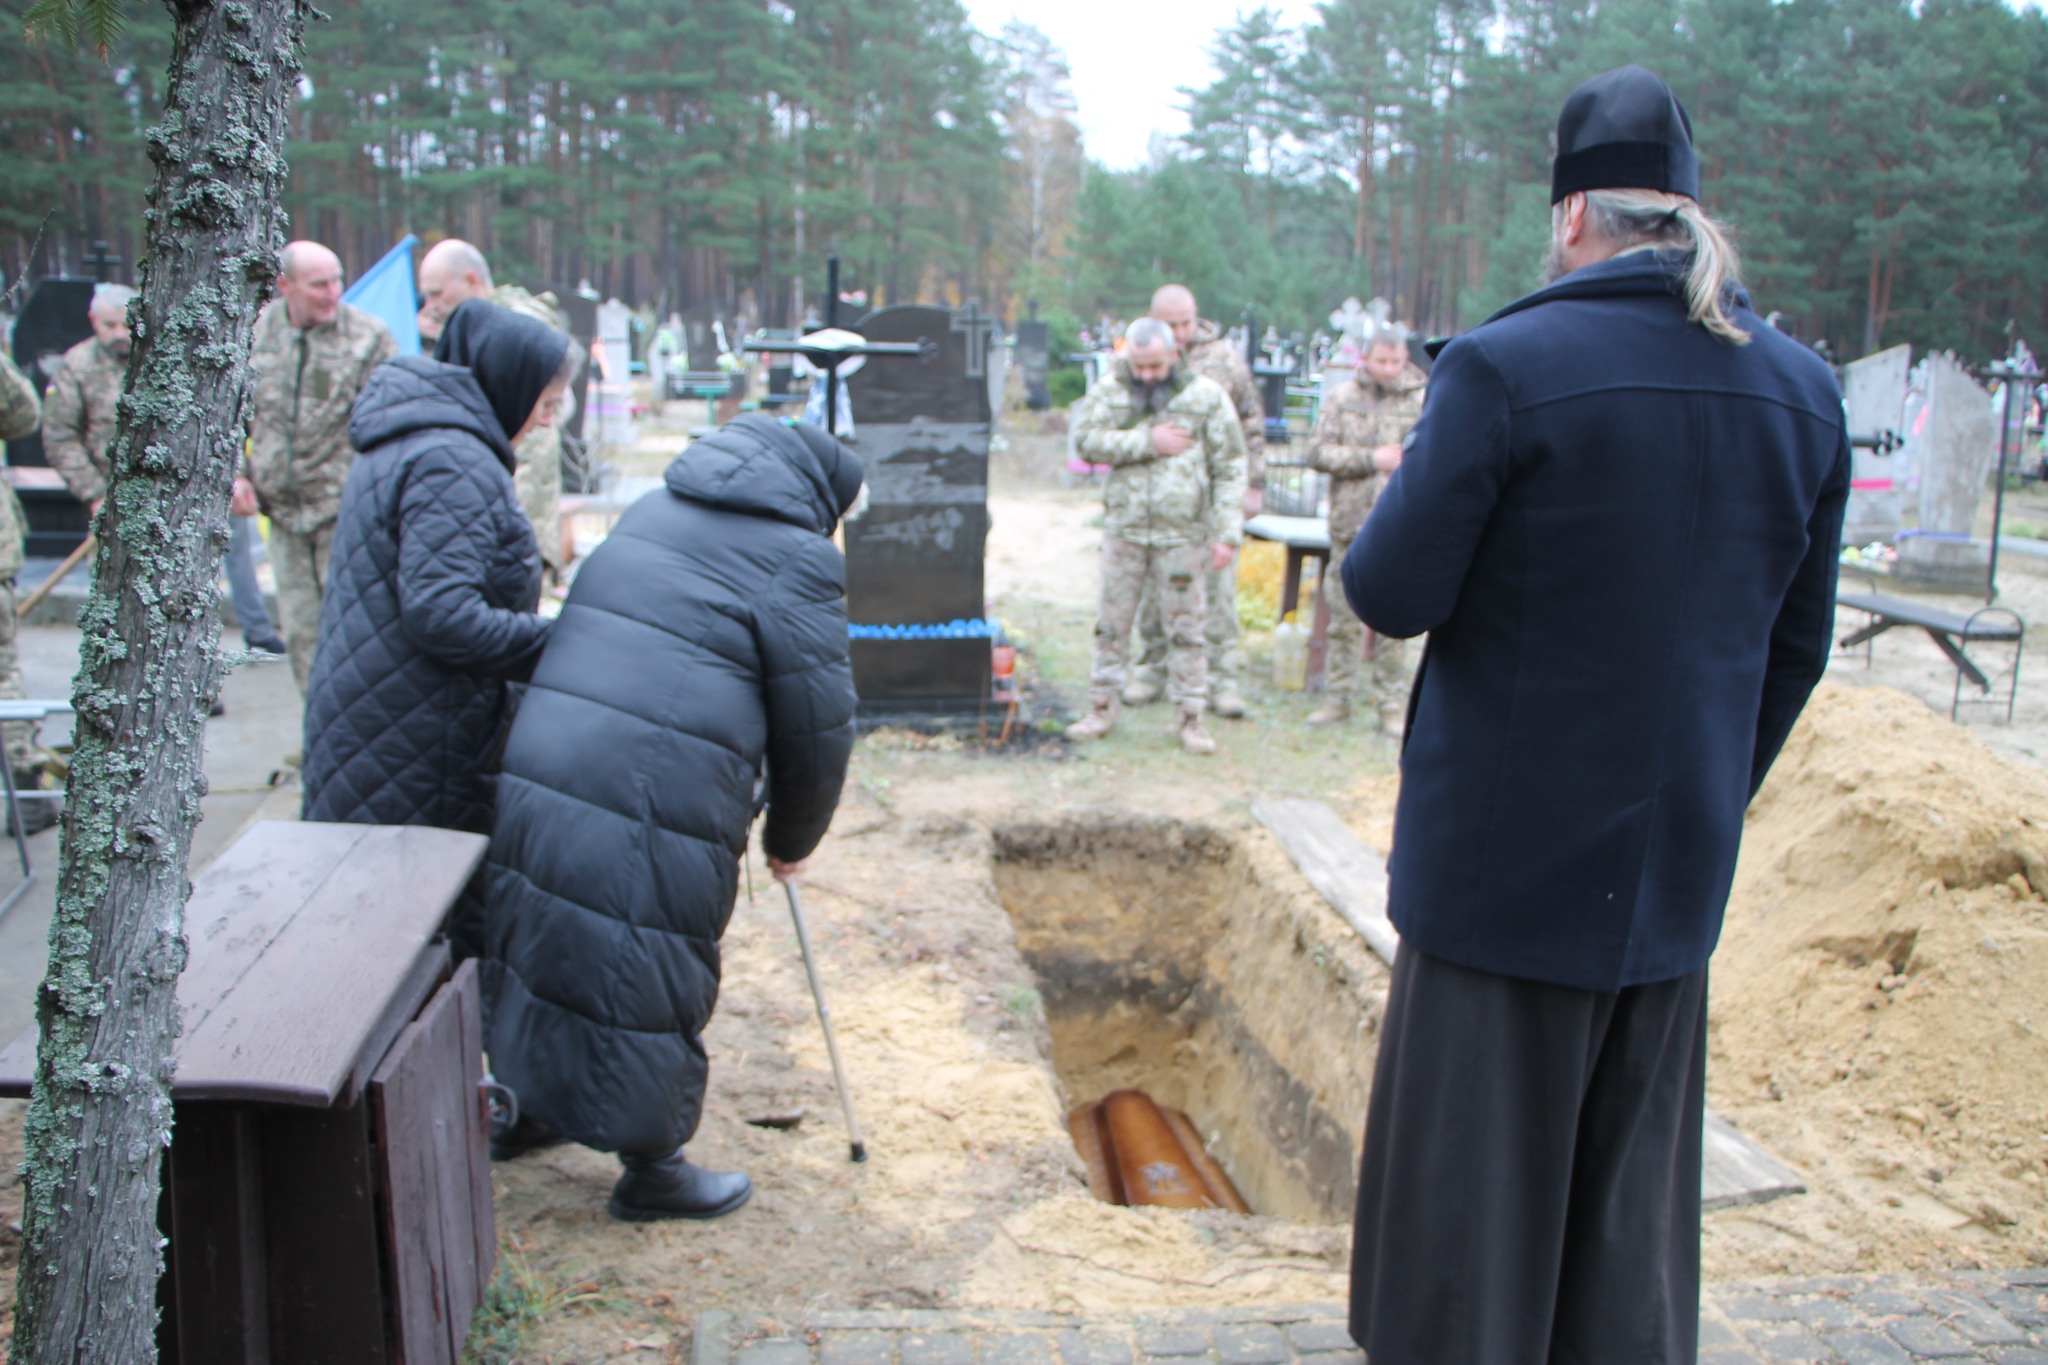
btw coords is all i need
(52, 321)
(1955, 459)
(914, 561)
(1034, 358)
(1874, 392)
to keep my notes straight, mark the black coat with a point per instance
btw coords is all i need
(702, 652)
(1621, 535)
(428, 612)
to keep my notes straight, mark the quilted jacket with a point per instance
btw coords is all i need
(699, 664)
(429, 612)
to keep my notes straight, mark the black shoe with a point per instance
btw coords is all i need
(270, 646)
(654, 1188)
(509, 1144)
(36, 815)
(219, 708)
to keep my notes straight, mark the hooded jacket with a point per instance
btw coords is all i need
(701, 658)
(1620, 533)
(429, 608)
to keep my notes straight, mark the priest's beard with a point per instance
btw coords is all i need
(1553, 261)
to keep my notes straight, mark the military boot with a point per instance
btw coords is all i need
(1187, 727)
(1226, 701)
(1098, 722)
(1335, 710)
(1141, 692)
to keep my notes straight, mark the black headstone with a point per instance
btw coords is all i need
(55, 318)
(914, 561)
(1034, 358)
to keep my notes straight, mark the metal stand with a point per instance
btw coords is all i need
(803, 943)
(24, 711)
(2010, 373)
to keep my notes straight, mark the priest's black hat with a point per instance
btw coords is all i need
(1624, 130)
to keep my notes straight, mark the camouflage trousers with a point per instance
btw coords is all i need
(1175, 579)
(299, 559)
(1381, 680)
(22, 753)
(1219, 631)
(539, 480)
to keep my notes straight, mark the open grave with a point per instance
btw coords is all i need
(1168, 966)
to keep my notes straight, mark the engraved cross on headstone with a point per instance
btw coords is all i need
(978, 328)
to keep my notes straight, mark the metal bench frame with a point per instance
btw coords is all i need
(1950, 632)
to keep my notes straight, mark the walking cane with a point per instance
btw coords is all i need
(803, 943)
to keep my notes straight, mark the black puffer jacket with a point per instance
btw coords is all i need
(703, 644)
(428, 612)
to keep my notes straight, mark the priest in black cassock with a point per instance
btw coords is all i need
(1618, 522)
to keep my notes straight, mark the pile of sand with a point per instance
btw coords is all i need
(1882, 985)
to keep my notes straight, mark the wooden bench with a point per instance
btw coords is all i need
(1950, 631)
(327, 1193)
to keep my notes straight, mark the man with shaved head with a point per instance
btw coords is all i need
(453, 272)
(1207, 352)
(78, 414)
(311, 354)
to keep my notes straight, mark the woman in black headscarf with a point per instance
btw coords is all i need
(429, 610)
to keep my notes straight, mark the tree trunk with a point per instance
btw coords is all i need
(149, 666)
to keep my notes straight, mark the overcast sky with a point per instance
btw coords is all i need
(1129, 60)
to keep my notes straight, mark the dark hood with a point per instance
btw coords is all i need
(1632, 272)
(791, 471)
(413, 393)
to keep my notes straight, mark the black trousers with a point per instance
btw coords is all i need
(1530, 1192)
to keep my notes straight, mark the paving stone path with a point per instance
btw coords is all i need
(1992, 1318)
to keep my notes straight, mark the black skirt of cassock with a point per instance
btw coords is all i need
(1530, 1190)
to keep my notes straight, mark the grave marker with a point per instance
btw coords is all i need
(1955, 459)
(914, 561)
(1874, 391)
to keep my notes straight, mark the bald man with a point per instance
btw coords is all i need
(453, 272)
(311, 354)
(1205, 350)
(78, 412)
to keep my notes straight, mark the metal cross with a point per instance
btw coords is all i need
(979, 328)
(102, 260)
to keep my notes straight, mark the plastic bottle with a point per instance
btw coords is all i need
(1290, 655)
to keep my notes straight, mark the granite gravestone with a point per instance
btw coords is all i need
(52, 321)
(1034, 358)
(914, 561)
(1874, 392)
(1955, 459)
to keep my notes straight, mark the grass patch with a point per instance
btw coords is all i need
(519, 1298)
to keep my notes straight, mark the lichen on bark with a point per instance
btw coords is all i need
(149, 667)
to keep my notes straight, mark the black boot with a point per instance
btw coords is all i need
(508, 1144)
(654, 1188)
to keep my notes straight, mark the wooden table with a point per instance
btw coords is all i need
(327, 1192)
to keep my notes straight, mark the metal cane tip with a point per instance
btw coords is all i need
(860, 1151)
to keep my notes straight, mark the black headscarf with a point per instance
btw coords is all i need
(514, 357)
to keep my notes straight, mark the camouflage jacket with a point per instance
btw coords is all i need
(306, 382)
(20, 410)
(78, 417)
(1356, 419)
(1191, 498)
(1212, 355)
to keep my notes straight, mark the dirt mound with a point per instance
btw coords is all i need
(1882, 984)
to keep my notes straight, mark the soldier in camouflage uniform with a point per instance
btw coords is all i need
(1173, 510)
(453, 272)
(19, 413)
(1206, 351)
(1357, 441)
(311, 354)
(78, 415)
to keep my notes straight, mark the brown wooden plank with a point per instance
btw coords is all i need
(326, 1296)
(424, 1097)
(1352, 877)
(428, 975)
(294, 1030)
(212, 1213)
(483, 1212)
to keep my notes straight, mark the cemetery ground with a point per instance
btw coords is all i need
(1878, 1007)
